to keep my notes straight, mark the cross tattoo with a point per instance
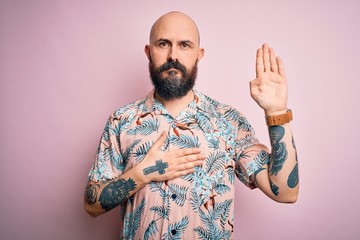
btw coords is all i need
(159, 166)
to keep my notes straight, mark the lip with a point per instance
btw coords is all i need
(172, 69)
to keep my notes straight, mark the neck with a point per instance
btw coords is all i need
(175, 106)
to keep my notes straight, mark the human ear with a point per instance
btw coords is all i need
(147, 52)
(201, 53)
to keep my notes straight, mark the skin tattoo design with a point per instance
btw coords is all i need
(91, 193)
(159, 167)
(274, 188)
(116, 193)
(293, 179)
(279, 152)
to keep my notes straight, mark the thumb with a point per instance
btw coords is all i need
(254, 87)
(157, 145)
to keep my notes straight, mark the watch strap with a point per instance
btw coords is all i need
(281, 119)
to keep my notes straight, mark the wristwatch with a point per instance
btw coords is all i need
(279, 119)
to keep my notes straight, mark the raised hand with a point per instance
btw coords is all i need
(161, 165)
(269, 89)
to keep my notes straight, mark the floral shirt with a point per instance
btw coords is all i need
(196, 206)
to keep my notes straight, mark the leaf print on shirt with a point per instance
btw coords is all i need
(185, 141)
(132, 221)
(222, 189)
(215, 162)
(212, 230)
(162, 211)
(176, 230)
(208, 181)
(196, 200)
(147, 127)
(151, 230)
(261, 158)
(246, 142)
(117, 159)
(231, 173)
(211, 101)
(142, 150)
(178, 193)
(205, 185)
(204, 123)
(207, 127)
(105, 137)
(129, 150)
(120, 125)
(157, 186)
(235, 115)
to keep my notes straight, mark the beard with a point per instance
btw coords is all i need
(172, 86)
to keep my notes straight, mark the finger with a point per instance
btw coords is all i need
(191, 158)
(198, 163)
(266, 58)
(281, 69)
(186, 151)
(273, 62)
(157, 145)
(254, 88)
(185, 172)
(259, 62)
(189, 168)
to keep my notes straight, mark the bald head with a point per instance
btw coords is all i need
(175, 23)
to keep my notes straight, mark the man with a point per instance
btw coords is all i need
(169, 160)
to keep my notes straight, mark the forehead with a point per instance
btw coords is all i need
(174, 27)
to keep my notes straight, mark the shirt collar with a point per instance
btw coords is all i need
(198, 104)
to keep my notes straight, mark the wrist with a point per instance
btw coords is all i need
(139, 173)
(275, 112)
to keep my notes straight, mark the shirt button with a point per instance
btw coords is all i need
(173, 125)
(173, 232)
(173, 196)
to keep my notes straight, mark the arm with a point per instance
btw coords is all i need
(157, 165)
(279, 179)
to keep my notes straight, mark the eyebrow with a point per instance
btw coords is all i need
(163, 40)
(168, 41)
(187, 41)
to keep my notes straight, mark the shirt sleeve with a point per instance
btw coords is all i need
(109, 162)
(250, 155)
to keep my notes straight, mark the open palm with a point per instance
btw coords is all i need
(269, 89)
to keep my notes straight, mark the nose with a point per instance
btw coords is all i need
(173, 54)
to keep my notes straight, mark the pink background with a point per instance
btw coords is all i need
(66, 65)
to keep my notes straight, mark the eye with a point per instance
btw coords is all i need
(185, 45)
(163, 44)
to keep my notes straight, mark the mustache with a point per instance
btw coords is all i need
(172, 64)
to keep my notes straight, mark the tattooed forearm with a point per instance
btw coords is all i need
(274, 188)
(116, 193)
(293, 179)
(279, 153)
(158, 167)
(91, 193)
